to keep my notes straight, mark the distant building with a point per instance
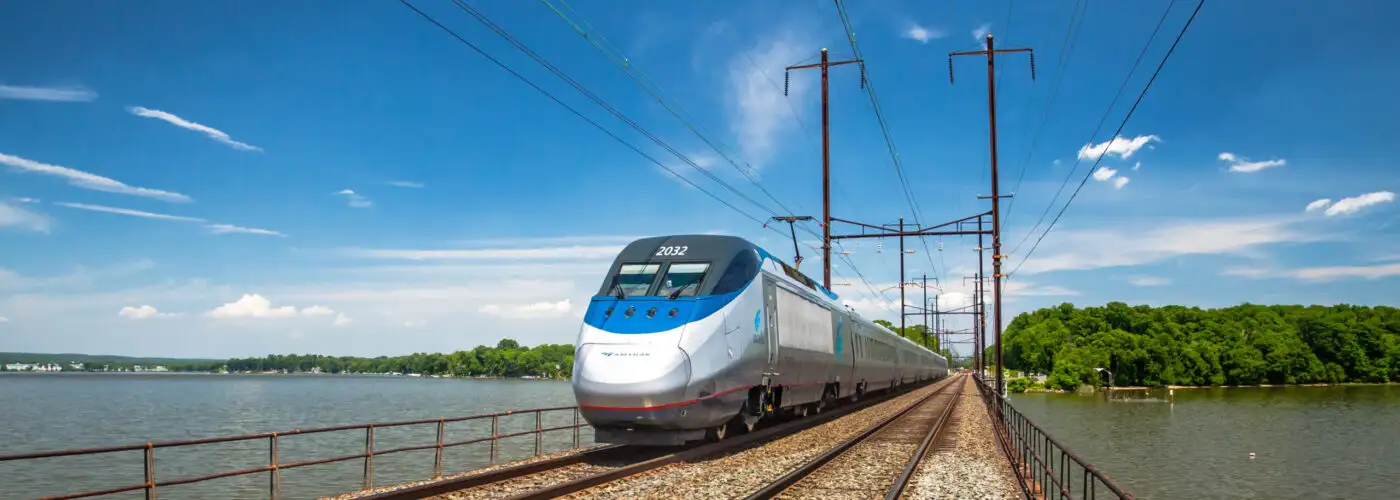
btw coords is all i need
(33, 367)
(76, 366)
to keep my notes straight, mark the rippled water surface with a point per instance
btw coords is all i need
(61, 411)
(1309, 442)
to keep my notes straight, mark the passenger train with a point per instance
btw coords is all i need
(698, 336)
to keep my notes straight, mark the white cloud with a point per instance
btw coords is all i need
(1240, 164)
(317, 311)
(143, 312)
(354, 199)
(212, 133)
(1132, 245)
(87, 180)
(1318, 205)
(529, 311)
(1123, 148)
(980, 33)
(65, 94)
(1104, 173)
(1137, 166)
(4, 319)
(18, 217)
(1120, 182)
(922, 34)
(341, 320)
(127, 211)
(575, 252)
(1320, 274)
(1027, 289)
(232, 229)
(758, 110)
(1149, 281)
(1354, 204)
(252, 306)
(406, 184)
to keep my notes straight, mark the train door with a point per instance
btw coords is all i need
(770, 330)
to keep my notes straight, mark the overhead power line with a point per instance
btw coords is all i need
(575, 112)
(1094, 136)
(1124, 123)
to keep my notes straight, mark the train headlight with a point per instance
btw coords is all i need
(630, 311)
(651, 313)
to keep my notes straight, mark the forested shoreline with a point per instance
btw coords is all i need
(508, 359)
(1189, 346)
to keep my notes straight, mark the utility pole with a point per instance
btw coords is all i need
(996, 194)
(826, 154)
(925, 308)
(902, 307)
(790, 220)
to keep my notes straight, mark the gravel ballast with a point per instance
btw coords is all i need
(968, 463)
(737, 474)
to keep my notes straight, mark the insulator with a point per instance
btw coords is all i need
(950, 70)
(862, 76)
(787, 79)
(1032, 65)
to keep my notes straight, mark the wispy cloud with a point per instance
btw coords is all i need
(128, 211)
(1240, 164)
(535, 310)
(17, 217)
(583, 239)
(1123, 148)
(1130, 245)
(1347, 206)
(923, 35)
(1320, 274)
(87, 180)
(1026, 289)
(759, 112)
(406, 184)
(354, 199)
(63, 94)
(980, 33)
(1119, 182)
(211, 132)
(232, 229)
(575, 252)
(1104, 174)
(143, 312)
(1149, 281)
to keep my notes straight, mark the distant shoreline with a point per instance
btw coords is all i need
(278, 374)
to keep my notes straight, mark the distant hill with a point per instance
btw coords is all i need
(34, 357)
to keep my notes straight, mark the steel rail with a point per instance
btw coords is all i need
(933, 432)
(791, 478)
(727, 446)
(428, 490)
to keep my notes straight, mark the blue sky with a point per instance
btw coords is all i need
(218, 179)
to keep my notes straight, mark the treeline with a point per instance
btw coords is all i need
(1174, 345)
(506, 359)
(924, 336)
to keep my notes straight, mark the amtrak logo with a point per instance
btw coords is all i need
(839, 322)
(626, 354)
(757, 321)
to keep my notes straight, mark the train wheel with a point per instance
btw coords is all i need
(717, 434)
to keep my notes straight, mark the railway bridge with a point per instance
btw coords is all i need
(950, 438)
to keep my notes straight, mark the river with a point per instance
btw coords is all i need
(1309, 442)
(62, 411)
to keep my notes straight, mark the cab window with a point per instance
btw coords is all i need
(741, 271)
(634, 279)
(683, 279)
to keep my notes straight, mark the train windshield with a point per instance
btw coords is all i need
(634, 279)
(683, 279)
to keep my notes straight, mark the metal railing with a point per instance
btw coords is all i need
(274, 467)
(1044, 467)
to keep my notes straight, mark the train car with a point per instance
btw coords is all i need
(701, 336)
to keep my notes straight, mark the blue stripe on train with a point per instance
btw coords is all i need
(688, 309)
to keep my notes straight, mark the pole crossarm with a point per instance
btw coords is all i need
(885, 232)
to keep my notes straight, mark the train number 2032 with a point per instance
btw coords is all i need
(680, 250)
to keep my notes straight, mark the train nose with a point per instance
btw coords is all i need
(621, 381)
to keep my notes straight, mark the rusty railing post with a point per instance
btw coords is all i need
(539, 433)
(273, 480)
(575, 427)
(367, 481)
(437, 461)
(150, 459)
(495, 433)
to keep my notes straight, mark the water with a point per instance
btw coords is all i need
(1309, 442)
(62, 411)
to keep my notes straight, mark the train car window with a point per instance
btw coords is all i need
(740, 272)
(634, 279)
(683, 279)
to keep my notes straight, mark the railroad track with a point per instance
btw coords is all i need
(879, 460)
(573, 473)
